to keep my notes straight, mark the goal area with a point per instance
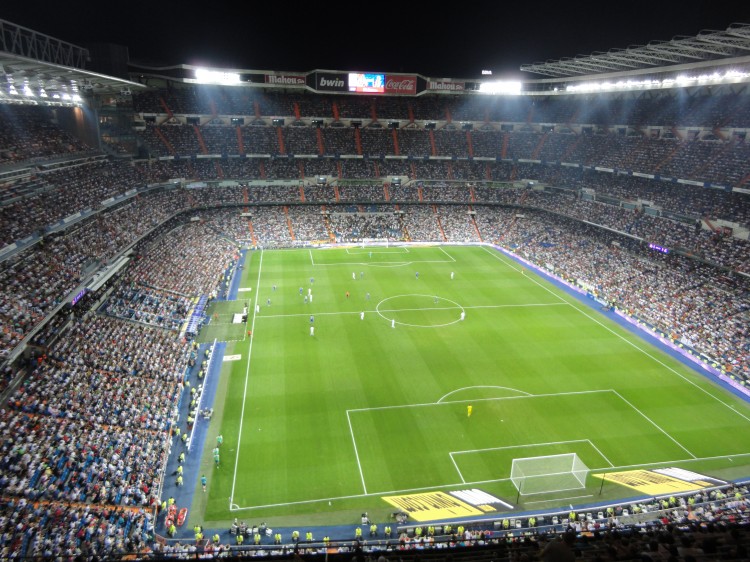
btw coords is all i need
(549, 473)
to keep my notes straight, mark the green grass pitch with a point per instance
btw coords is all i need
(318, 428)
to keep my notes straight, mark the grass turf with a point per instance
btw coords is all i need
(319, 428)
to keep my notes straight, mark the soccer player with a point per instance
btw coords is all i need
(393, 323)
(268, 302)
(347, 294)
(216, 459)
(204, 482)
(469, 408)
(312, 319)
(451, 276)
(361, 315)
(354, 276)
(300, 290)
(367, 296)
(463, 315)
(312, 330)
(219, 440)
(417, 274)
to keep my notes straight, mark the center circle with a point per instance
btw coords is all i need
(420, 311)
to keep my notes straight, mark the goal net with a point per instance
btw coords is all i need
(550, 473)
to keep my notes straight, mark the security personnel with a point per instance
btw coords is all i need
(418, 532)
(326, 541)
(309, 536)
(295, 536)
(373, 530)
(358, 533)
(447, 529)
(217, 538)
(256, 538)
(431, 531)
(240, 538)
(387, 531)
(277, 538)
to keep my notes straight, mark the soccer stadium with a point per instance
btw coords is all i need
(372, 315)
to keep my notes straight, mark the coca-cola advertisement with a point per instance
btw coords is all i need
(400, 84)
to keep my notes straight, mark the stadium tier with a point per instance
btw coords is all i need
(259, 321)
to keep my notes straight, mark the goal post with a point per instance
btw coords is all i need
(549, 473)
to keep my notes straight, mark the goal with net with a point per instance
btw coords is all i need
(550, 473)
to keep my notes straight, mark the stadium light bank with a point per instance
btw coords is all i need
(505, 87)
(30, 96)
(206, 76)
(680, 81)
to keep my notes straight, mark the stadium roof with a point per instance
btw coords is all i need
(708, 45)
(32, 63)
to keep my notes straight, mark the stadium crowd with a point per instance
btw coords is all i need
(88, 422)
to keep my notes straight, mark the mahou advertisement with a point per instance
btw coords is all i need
(285, 80)
(446, 86)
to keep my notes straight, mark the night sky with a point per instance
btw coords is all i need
(411, 37)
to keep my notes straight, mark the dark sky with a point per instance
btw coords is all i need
(456, 41)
